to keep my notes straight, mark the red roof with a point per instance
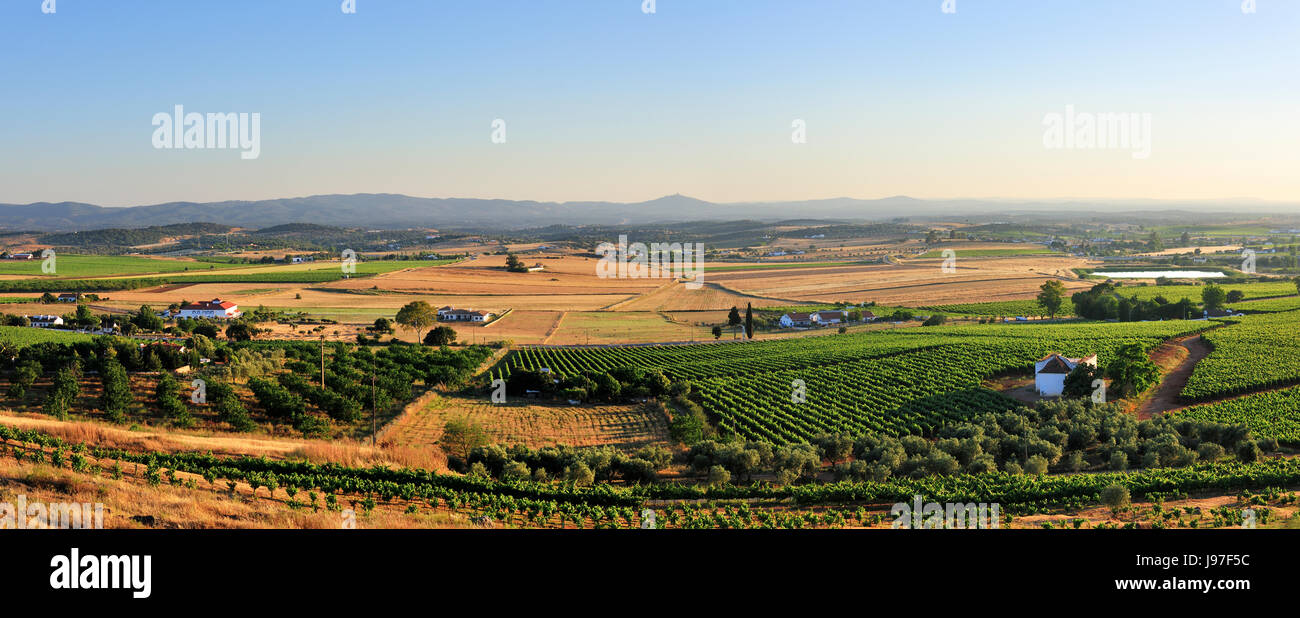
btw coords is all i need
(210, 305)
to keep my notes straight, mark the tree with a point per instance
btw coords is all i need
(733, 318)
(85, 318)
(116, 398)
(718, 475)
(749, 320)
(460, 437)
(935, 320)
(1154, 243)
(1052, 296)
(1131, 372)
(1236, 296)
(239, 330)
(717, 332)
(383, 326)
(64, 389)
(514, 264)
(1116, 497)
(1214, 297)
(1296, 281)
(442, 335)
(146, 320)
(417, 316)
(1078, 383)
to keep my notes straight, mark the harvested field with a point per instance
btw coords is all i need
(533, 425)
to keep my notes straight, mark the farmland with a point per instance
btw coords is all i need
(894, 382)
(1238, 365)
(1274, 414)
(601, 373)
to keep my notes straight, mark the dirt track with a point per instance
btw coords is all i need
(1166, 396)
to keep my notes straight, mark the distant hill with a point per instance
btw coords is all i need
(388, 211)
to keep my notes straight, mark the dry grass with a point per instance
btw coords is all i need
(534, 425)
(358, 456)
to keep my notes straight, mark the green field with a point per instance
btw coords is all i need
(1275, 414)
(1211, 230)
(1253, 353)
(1008, 308)
(21, 336)
(105, 266)
(1175, 293)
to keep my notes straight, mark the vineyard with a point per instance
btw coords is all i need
(1274, 414)
(19, 337)
(603, 505)
(909, 381)
(1002, 308)
(1257, 352)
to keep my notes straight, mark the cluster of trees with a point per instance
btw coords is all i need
(741, 460)
(168, 395)
(562, 463)
(1129, 373)
(1062, 436)
(1053, 436)
(283, 406)
(514, 264)
(292, 397)
(1103, 302)
(618, 384)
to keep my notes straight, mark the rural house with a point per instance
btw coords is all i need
(215, 308)
(831, 317)
(1050, 372)
(69, 298)
(45, 321)
(791, 320)
(448, 314)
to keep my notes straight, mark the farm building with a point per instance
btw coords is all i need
(1050, 372)
(45, 321)
(449, 314)
(69, 298)
(831, 317)
(215, 308)
(791, 320)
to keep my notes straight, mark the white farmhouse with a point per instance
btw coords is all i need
(1050, 372)
(791, 320)
(215, 308)
(44, 321)
(831, 317)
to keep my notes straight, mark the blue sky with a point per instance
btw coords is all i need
(604, 102)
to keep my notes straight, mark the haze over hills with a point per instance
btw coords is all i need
(392, 211)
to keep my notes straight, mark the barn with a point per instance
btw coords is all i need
(1050, 372)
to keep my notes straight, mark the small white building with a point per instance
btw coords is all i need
(1050, 372)
(792, 320)
(45, 321)
(831, 317)
(448, 314)
(215, 308)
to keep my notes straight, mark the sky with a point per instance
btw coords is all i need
(604, 100)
